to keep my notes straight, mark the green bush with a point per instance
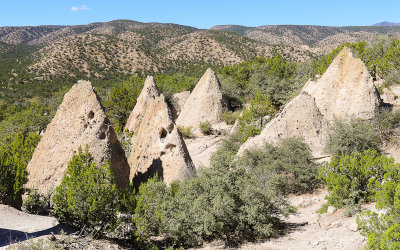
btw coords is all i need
(252, 120)
(151, 202)
(15, 153)
(122, 100)
(282, 169)
(225, 155)
(386, 123)
(186, 132)
(221, 204)
(35, 203)
(351, 179)
(205, 128)
(383, 229)
(86, 197)
(350, 136)
(230, 117)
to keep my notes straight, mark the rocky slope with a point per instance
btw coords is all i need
(128, 47)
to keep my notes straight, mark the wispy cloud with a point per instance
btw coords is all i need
(83, 7)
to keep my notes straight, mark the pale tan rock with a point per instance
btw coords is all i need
(205, 103)
(159, 147)
(391, 96)
(299, 118)
(149, 92)
(179, 100)
(346, 89)
(79, 121)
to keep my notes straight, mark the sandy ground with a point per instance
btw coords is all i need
(310, 230)
(201, 148)
(307, 229)
(17, 226)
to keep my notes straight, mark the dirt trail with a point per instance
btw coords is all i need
(16, 226)
(311, 230)
(308, 229)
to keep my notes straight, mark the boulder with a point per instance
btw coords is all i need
(80, 121)
(205, 103)
(299, 118)
(179, 100)
(159, 147)
(149, 92)
(346, 89)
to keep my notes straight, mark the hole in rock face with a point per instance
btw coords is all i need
(91, 115)
(102, 136)
(163, 134)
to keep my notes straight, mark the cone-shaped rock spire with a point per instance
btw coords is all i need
(345, 89)
(205, 103)
(149, 92)
(79, 121)
(159, 147)
(299, 118)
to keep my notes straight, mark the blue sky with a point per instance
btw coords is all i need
(201, 14)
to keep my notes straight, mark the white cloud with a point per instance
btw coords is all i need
(83, 7)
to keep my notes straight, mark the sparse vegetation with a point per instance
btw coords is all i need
(351, 135)
(86, 197)
(186, 132)
(230, 117)
(237, 199)
(205, 128)
(15, 152)
(352, 179)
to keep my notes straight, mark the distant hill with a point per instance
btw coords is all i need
(386, 24)
(124, 47)
(317, 37)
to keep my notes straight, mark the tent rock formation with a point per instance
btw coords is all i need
(299, 118)
(79, 121)
(205, 103)
(149, 92)
(159, 147)
(346, 89)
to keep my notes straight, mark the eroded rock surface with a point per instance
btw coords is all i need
(299, 118)
(346, 89)
(149, 92)
(79, 121)
(205, 103)
(159, 147)
(179, 100)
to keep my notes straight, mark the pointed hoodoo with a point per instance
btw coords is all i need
(79, 121)
(205, 103)
(346, 89)
(149, 92)
(299, 118)
(159, 147)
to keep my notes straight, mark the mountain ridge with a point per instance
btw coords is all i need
(129, 47)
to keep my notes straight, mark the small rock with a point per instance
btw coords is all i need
(336, 224)
(331, 210)
(352, 226)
